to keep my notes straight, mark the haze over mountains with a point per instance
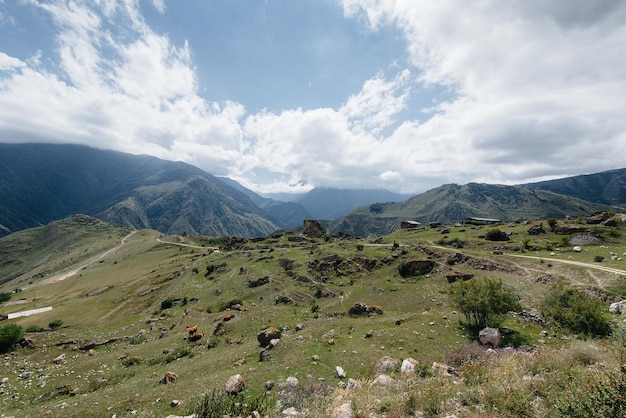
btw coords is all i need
(40, 183)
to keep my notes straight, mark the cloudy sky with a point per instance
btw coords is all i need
(285, 95)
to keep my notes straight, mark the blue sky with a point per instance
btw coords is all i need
(285, 95)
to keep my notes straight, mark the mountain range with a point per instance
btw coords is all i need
(40, 183)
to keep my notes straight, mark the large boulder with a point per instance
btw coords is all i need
(416, 268)
(268, 335)
(386, 364)
(598, 218)
(490, 336)
(618, 307)
(235, 384)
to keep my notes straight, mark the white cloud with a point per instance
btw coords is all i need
(533, 90)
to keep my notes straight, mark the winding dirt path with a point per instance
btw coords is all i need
(62, 276)
(575, 263)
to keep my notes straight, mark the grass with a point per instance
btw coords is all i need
(121, 296)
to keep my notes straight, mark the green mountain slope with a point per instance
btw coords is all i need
(40, 183)
(607, 187)
(452, 203)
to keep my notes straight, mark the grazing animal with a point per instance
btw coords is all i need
(195, 337)
(192, 330)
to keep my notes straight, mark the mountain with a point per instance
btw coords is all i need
(326, 203)
(284, 214)
(451, 203)
(40, 183)
(607, 187)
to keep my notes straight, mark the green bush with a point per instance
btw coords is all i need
(576, 311)
(598, 259)
(167, 303)
(34, 328)
(55, 324)
(10, 335)
(483, 302)
(219, 404)
(5, 297)
(496, 235)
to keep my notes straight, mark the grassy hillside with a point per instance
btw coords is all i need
(124, 315)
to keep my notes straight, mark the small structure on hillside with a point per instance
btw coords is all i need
(410, 224)
(481, 221)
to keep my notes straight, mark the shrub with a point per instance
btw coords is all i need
(483, 302)
(551, 222)
(598, 259)
(4, 297)
(167, 303)
(496, 235)
(576, 311)
(34, 328)
(219, 404)
(10, 335)
(55, 324)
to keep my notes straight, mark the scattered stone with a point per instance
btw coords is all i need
(264, 354)
(577, 249)
(353, 385)
(239, 362)
(299, 327)
(343, 411)
(92, 352)
(259, 282)
(269, 385)
(174, 403)
(386, 364)
(60, 359)
(456, 276)
(235, 384)
(370, 333)
(316, 358)
(340, 372)
(408, 366)
(383, 380)
(490, 336)
(27, 343)
(291, 412)
(273, 343)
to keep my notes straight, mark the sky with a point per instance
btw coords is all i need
(284, 96)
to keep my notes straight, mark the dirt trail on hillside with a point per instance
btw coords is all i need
(576, 263)
(62, 276)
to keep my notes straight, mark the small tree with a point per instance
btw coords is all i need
(552, 222)
(10, 335)
(483, 302)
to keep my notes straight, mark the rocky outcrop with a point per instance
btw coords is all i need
(268, 335)
(413, 268)
(313, 229)
(235, 384)
(490, 336)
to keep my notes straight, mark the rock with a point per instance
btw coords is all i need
(174, 403)
(444, 369)
(264, 354)
(408, 366)
(60, 359)
(409, 224)
(343, 411)
(290, 412)
(169, 377)
(369, 334)
(413, 268)
(235, 384)
(290, 383)
(259, 282)
(536, 229)
(490, 336)
(353, 384)
(383, 380)
(598, 218)
(386, 364)
(618, 307)
(299, 327)
(27, 343)
(268, 335)
(273, 343)
(340, 372)
(92, 352)
(269, 385)
(312, 228)
(456, 276)
(4, 381)
(358, 308)
(577, 249)
(611, 222)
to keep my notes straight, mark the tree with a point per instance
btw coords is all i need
(496, 235)
(10, 335)
(483, 302)
(55, 324)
